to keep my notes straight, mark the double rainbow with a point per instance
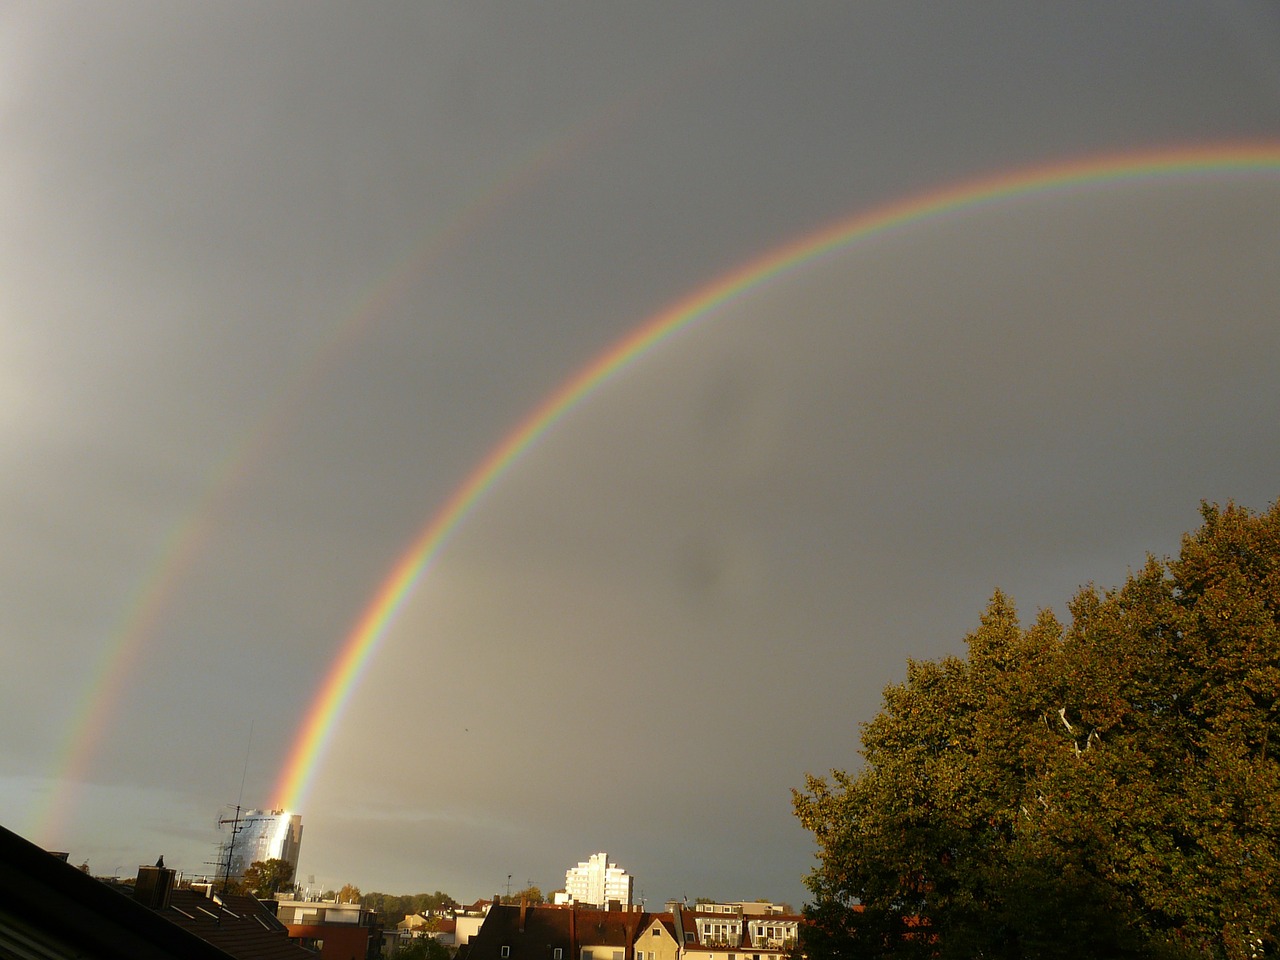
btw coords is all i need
(357, 650)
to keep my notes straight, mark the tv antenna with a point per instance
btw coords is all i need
(231, 845)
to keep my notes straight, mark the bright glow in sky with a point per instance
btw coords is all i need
(277, 281)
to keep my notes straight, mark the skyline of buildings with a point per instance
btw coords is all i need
(259, 835)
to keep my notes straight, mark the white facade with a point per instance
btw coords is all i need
(596, 881)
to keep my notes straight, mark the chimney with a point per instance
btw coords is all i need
(629, 926)
(153, 887)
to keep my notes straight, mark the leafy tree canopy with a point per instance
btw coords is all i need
(422, 948)
(394, 907)
(531, 893)
(265, 878)
(348, 894)
(1107, 788)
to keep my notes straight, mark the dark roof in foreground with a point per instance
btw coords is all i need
(48, 908)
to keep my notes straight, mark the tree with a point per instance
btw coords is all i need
(531, 894)
(1105, 789)
(348, 894)
(437, 902)
(392, 906)
(265, 878)
(422, 948)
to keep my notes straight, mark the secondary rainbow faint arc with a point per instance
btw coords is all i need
(145, 605)
(356, 651)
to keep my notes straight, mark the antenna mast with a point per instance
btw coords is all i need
(231, 845)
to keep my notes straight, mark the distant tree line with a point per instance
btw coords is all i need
(394, 908)
(1107, 788)
(530, 894)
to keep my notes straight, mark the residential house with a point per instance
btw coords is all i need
(468, 920)
(415, 926)
(658, 939)
(242, 926)
(336, 931)
(737, 936)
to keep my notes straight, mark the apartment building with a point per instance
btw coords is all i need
(597, 882)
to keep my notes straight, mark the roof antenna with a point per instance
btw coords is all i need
(235, 826)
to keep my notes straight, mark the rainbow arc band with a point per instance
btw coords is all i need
(1212, 161)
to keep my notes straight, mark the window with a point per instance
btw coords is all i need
(506, 951)
(557, 953)
(655, 931)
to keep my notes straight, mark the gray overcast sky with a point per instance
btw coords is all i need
(275, 277)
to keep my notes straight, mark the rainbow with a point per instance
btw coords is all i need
(147, 604)
(356, 651)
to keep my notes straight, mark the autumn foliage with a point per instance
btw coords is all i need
(1108, 788)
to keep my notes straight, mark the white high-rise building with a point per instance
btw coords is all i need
(596, 881)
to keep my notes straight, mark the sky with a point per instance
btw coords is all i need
(275, 279)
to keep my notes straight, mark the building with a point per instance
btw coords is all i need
(524, 932)
(336, 931)
(752, 907)
(242, 926)
(415, 926)
(658, 939)
(573, 933)
(735, 935)
(261, 835)
(597, 882)
(468, 920)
